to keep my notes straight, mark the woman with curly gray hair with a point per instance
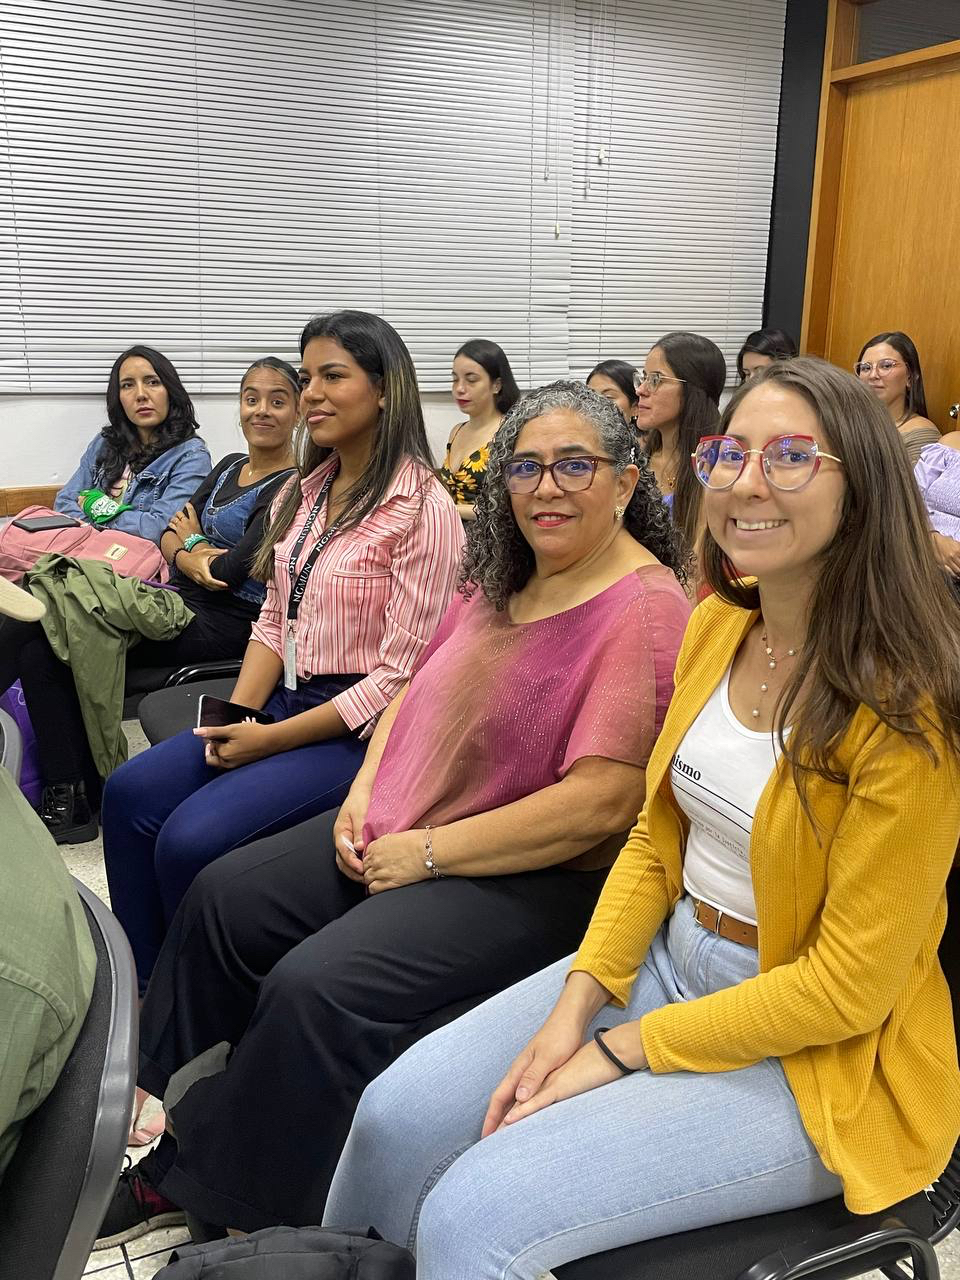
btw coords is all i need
(500, 558)
(470, 851)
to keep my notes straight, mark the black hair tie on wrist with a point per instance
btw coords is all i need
(608, 1052)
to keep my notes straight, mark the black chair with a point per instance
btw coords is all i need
(142, 681)
(822, 1240)
(64, 1171)
(11, 746)
(171, 710)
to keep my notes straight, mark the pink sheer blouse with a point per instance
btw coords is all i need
(497, 710)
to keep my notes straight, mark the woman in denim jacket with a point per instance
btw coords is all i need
(148, 460)
(210, 544)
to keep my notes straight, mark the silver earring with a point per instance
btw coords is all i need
(619, 512)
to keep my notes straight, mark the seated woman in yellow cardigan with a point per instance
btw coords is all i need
(756, 1019)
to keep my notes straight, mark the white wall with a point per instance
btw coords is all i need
(42, 436)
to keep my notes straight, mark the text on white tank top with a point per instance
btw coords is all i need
(718, 775)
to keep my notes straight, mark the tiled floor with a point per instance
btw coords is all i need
(140, 1260)
(143, 1258)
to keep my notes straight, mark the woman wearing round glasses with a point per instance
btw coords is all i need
(890, 366)
(756, 1018)
(678, 397)
(470, 850)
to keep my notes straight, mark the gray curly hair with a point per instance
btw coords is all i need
(498, 559)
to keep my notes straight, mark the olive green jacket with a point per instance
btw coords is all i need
(93, 616)
(47, 965)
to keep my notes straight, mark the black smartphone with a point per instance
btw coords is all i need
(36, 524)
(214, 712)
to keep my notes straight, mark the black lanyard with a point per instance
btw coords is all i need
(298, 581)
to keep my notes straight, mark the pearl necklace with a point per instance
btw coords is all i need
(772, 664)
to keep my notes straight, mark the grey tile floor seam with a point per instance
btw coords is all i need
(106, 1264)
(139, 1259)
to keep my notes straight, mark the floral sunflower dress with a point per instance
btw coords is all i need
(465, 483)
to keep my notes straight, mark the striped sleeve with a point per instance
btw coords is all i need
(424, 574)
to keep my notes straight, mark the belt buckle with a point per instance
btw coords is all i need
(720, 918)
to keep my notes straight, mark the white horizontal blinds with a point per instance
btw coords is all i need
(100, 117)
(288, 173)
(204, 176)
(466, 217)
(13, 350)
(675, 137)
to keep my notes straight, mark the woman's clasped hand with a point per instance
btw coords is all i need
(394, 860)
(557, 1064)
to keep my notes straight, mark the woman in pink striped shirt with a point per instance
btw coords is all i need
(360, 562)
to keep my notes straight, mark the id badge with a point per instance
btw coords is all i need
(290, 658)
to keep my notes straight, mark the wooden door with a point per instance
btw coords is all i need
(896, 254)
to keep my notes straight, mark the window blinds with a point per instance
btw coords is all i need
(675, 142)
(204, 175)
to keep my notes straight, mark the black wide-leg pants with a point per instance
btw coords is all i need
(318, 988)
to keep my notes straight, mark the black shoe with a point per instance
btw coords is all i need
(136, 1208)
(67, 815)
(204, 1232)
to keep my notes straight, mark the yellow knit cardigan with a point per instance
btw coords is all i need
(850, 994)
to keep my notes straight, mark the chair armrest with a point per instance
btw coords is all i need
(849, 1251)
(203, 671)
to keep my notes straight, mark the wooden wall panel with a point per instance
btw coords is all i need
(14, 500)
(897, 243)
(838, 52)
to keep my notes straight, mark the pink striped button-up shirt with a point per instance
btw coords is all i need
(377, 592)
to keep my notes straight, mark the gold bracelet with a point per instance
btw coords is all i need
(429, 861)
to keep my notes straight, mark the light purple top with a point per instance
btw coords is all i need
(938, 475)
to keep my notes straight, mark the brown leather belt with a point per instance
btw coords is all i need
(726, 926)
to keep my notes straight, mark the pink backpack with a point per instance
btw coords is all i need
(128, 555)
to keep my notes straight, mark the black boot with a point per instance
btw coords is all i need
(67, 814)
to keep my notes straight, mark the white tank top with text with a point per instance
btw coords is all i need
(717, 775)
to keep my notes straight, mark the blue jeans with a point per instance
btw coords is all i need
(643, 1157)
(167, 814)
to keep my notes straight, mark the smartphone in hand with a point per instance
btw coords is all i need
(214, 713)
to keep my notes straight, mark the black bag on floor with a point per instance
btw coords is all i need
(292, 1253)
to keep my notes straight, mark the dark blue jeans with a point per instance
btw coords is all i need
(167, 814)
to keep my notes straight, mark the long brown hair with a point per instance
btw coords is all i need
(883, 629)
(381, 353)
(915, 400)
(699, 363)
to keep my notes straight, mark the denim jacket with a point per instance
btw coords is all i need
(164, 486)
